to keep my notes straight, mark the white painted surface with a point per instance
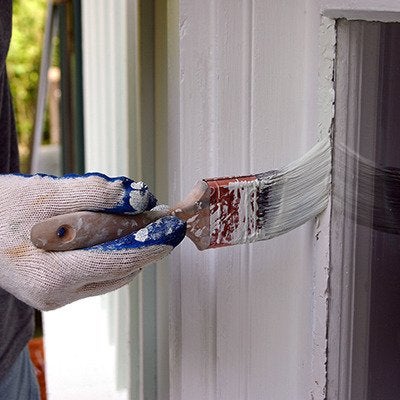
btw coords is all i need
(246, 322)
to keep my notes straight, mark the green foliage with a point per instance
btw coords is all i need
(24, 63)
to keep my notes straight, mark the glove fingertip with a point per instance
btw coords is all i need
(137, 198)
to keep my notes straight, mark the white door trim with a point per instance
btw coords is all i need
(366, 10)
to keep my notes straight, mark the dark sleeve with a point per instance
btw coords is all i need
(5, 30)
(16, 318)
(8, 137)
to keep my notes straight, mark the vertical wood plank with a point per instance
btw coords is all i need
(232, 139)
(173, 159)
(197, 270)
(281, 284)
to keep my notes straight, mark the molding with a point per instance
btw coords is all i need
(355, 123)
(367, 10)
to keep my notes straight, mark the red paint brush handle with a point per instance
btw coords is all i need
(233, 207)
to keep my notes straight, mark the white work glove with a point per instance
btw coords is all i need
(47, 280)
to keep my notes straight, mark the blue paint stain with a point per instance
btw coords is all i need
(168, 231)
(146, 200)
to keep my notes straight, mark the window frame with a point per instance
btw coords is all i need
(347, 376)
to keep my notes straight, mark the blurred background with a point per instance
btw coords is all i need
(24, 67)
(45, 71)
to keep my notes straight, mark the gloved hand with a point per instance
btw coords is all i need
(47, 280)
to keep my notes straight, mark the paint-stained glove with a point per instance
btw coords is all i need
(47, 280)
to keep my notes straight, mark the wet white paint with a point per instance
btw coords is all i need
(137, 185)
(142, 235)
(80, 224)
(138, 197)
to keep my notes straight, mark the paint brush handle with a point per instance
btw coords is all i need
(87, 228)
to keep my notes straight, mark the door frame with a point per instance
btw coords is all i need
(347, 375)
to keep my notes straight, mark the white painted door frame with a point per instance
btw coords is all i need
(356, 95)
(358, 50)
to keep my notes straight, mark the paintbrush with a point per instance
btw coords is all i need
(219, 212)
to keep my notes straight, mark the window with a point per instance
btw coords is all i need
(364, 326)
